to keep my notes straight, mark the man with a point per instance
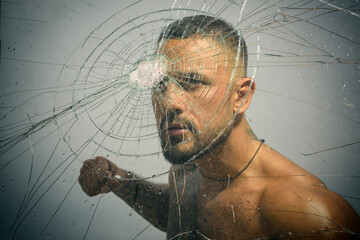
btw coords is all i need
(224, 183)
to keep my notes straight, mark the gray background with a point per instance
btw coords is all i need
(303, 104)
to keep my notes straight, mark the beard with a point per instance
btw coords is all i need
(199, 144)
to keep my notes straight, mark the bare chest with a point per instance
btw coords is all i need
(236, 217)
(183, 206)
(196, 213)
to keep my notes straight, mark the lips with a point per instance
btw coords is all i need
(176, 129)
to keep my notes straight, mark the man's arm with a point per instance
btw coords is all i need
(150, 200)
(308, 214)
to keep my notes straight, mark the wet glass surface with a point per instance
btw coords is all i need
(77, 81)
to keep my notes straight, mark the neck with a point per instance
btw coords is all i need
(233, 156)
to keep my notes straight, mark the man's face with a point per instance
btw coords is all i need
(191, 103)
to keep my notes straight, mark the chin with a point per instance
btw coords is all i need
(176, 157)
(178, 151)
(181, 154)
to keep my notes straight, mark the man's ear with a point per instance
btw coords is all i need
(242, 95)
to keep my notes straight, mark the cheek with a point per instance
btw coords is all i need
(206, 106)
(157, 110)
(214, 99)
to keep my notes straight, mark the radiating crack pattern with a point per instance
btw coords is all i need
(86, 79)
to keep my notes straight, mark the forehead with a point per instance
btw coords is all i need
(194, 52)
(203, 56)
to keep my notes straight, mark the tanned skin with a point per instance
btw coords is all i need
(273, 198)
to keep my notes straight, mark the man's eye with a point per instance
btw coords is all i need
(188, 83)
(161, 84)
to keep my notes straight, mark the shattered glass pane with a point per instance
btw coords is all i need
(81, 79)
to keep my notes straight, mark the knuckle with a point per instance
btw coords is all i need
(87, 161)
(100, 159)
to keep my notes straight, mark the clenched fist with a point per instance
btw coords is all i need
(99, 175)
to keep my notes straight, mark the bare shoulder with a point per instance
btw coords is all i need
(304, 206)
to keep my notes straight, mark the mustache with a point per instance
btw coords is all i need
(175, 119)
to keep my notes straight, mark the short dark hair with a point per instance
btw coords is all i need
(216, 28)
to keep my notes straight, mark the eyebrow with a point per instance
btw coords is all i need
(194, 75)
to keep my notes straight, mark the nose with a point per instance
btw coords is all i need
(170, 97)
(174, 98)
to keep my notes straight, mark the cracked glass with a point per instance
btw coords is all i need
(155, 93)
